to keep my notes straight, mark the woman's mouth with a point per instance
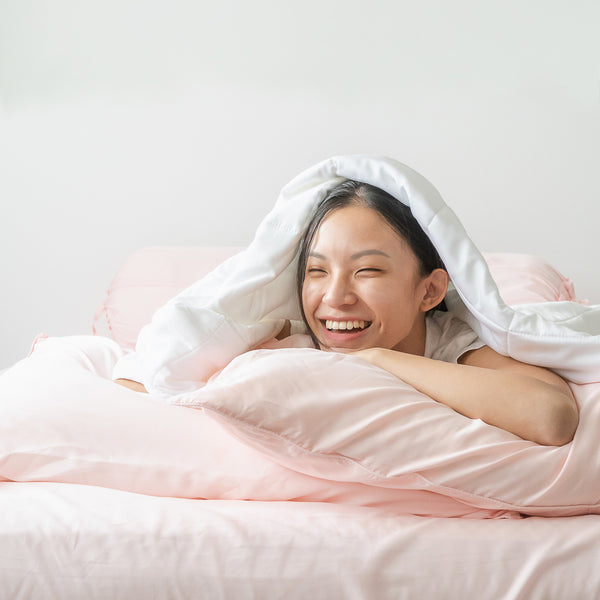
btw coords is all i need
(343, 333)
(338, 332)
(350, 326)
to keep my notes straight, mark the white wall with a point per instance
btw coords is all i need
(131, 123)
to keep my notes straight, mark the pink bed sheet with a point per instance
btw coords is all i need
(71, 542)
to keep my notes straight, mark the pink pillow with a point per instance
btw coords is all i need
(335, 416)
(146, 280)
(524, 279)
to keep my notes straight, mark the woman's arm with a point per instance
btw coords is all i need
(531, 402)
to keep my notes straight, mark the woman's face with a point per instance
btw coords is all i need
(362, 286)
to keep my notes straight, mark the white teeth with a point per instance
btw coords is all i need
(344, 325)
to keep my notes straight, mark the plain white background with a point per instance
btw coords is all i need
(128, 123)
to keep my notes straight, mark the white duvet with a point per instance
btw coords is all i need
(246, 299)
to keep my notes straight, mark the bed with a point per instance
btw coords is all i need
(106, 493)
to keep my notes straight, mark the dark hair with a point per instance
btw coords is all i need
(396, 213)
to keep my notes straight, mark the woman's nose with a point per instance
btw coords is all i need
(339, 292)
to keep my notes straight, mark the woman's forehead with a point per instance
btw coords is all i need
(354, 226)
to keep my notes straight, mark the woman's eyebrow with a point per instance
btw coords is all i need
(368, 252)
(354, 256)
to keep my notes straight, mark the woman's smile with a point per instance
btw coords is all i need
(338, 333)
(349, 325)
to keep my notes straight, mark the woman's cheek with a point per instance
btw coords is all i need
(310, 296)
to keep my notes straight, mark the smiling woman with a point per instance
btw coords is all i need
(370, 281)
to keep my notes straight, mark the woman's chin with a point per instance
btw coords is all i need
(338, 349)
(344, 342)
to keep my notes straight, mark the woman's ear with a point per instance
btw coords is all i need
(436, 286)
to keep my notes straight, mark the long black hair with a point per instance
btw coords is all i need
(397, 215)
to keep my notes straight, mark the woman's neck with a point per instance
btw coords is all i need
(414, 342)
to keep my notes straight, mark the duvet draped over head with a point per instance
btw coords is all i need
(247, 298)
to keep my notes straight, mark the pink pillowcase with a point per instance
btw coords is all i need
(336, 417)
(524, 279)
(146, 280)
(151, 276)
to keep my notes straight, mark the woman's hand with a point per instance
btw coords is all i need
(531, 402)
(132, 385)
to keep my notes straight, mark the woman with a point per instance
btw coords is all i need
(370, 279)
(370, 282)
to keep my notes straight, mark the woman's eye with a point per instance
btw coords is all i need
(315, 271)
(370, 270)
